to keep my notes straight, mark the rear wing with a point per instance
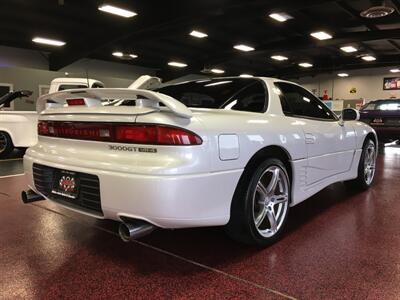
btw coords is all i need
(99, 97)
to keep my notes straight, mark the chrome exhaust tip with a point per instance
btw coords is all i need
(30, 196)
(134, 229)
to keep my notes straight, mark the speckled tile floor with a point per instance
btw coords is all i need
(339, 244)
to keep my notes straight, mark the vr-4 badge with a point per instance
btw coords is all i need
(131, 149)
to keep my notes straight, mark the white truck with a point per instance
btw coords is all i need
(18, 129)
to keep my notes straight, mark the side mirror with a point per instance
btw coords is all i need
(350, 114)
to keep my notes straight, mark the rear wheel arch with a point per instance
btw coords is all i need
(240, 226)
(261, 155)
(270, 152)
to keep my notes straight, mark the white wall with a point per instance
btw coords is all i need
(27, 69)
(367, 82)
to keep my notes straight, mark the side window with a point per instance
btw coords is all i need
(97, 85)
(251, 98)
(298, 101)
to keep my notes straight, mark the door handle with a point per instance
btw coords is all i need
(310, 138)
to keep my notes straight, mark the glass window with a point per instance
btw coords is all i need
(97, 85)
(369, 106)
(389, 105)
(71, 86)
(244, 94)
(298, 101)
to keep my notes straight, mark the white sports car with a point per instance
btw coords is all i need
(237, 152)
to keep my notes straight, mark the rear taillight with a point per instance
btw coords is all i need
(119, 133)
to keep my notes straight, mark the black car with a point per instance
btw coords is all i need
(384, 117)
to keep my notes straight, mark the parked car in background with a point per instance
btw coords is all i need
(233, 152)
(18, 129)
(384, 117)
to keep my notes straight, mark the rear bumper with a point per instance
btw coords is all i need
(387, 133)
(167, 201)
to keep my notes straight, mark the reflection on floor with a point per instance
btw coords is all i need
(339, 244)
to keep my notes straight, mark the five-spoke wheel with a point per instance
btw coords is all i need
(270, 201)
(261, 202)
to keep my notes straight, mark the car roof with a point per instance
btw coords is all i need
(384, 100)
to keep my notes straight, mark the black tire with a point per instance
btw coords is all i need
(242, 224)
(361, 181)
(6, 144)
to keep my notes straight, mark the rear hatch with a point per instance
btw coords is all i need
(88, 132)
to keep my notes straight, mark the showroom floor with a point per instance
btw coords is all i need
(339, 245)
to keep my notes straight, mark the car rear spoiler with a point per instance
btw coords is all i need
(95, 97)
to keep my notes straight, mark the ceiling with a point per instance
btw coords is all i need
(159, 33)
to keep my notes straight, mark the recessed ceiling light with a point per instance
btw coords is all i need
(279, 57)
(45, 41)
(118, 54)
(343, 75)
(368, 58)
(244, 48)
(395, 70)
(198, 34)
(305, 65)
(117, 11)
(133, 56)
(321, 35)
(348, 49)
(246, 75)
(177, 64)
(217, 71)
(281, 17)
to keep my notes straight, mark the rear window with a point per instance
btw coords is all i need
(244, 94)
(383, 105)
(71, 86)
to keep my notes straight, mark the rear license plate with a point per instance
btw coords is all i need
(65, 184)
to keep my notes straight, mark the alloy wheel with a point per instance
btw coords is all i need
(270, 201)
(369, 163)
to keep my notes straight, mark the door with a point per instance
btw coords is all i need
(330, 146)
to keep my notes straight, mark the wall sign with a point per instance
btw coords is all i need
(391, 83)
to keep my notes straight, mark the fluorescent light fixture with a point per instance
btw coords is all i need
(321, 35)
(395, 70)
(45, 41)
(133, 56)
(118, 54)
(305, 65)
(177, 64)
(279, 57)
(218, 83)
(246, 75)
(368, 58)
(244, 48)
(343, 75)
(348, 49)
(198, 34)
(281, 17)
(217, 71)
(117, 11)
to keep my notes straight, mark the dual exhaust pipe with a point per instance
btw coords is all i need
(129, 229)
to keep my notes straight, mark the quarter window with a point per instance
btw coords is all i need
(299, 102)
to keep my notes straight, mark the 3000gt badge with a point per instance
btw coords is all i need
(131, 149)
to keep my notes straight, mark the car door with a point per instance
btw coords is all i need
(330, 144)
